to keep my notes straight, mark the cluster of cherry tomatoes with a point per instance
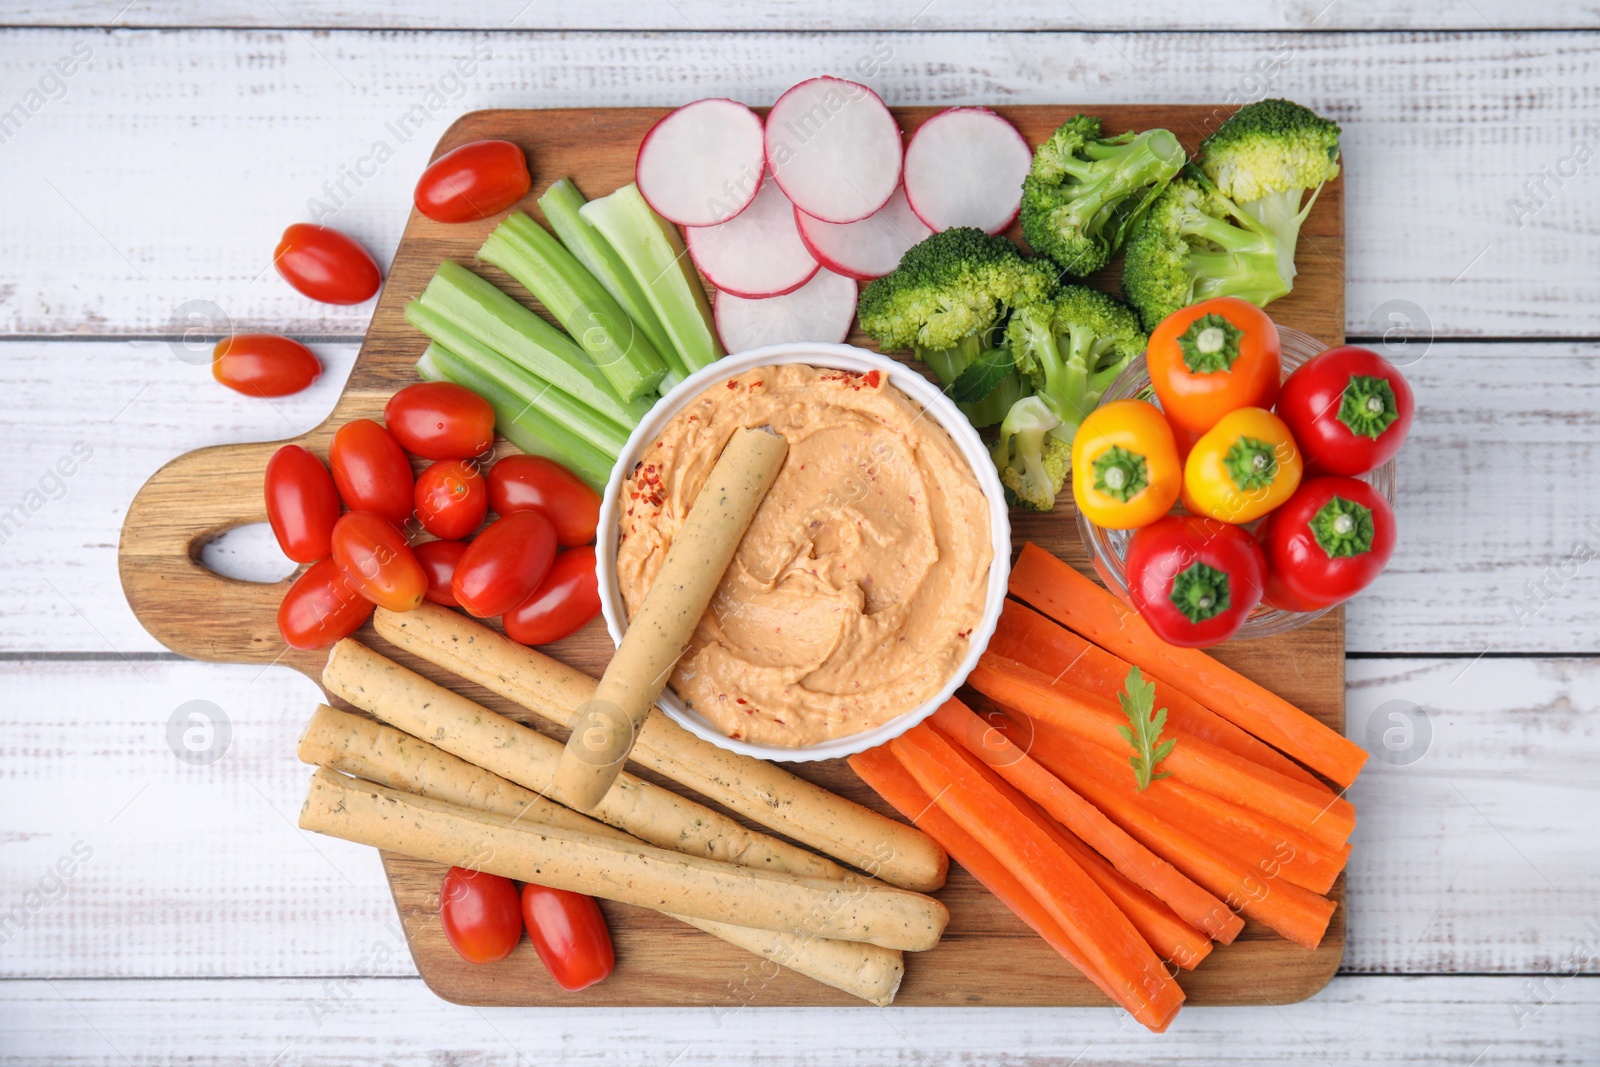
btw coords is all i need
(484, 915)
(533, 565)
(1235, 442)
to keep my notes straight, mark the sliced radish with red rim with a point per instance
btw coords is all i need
(834, 148)
(964, 167)
(702, 164)
(820, 310)
(867, 249)
(756, 253)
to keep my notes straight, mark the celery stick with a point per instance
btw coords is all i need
(560, 204)
(518, 422)
(654, 254)
(578, 419)
(497, 320)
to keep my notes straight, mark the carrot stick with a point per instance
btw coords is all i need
(1138, 864)
(1058, 590)
(1290, 910)
(1103, 934)
(1172, 939)
(1028, 637)
(1328, 820)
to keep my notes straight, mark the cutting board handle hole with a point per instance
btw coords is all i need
(247, 553)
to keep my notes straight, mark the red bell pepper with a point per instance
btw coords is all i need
(1349, 409)
(1326, 543)
(1194, 580)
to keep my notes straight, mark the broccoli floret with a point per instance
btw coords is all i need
(1264, 159)
(1195, 244)
(1033, 462)
(1085, 192)
(1071, 349)
(944, 301)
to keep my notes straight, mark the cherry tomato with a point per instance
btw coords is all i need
(569, 934)
(371, 470)
(1326, 544)
(475, 181)
(563, 604)
(1212, 358)
(480, 914)
(302, 504)
(375, 558)
(1349, 408)
(324, 264)
(1194, 580)
(263, 364)
(504, 564)
(533, 483)
(439, 559)
(440, 420)
(321, 607)
(451, 498)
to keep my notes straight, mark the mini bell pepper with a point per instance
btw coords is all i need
(1194, 580)
(1242, 468)
(1326, 543)
(1212, 358)
(1349, 408)
(1125, 470)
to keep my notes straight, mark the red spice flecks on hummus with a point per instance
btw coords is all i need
(854, 594)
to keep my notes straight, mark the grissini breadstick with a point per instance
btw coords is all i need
(638, 874)
(408, 701)
(368, 749)
(898, 854)
(606, 726)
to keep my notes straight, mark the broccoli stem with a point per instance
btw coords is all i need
(1249, 276)
(1104, 181)
(1282, 215)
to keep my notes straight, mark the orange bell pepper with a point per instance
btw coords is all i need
(1242, 468)
(1212, 358)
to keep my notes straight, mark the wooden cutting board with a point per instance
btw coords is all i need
(987, 957)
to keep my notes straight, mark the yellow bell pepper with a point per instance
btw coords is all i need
(1242, 468)
(1125, 470)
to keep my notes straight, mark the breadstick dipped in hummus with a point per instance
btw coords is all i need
(898, 854)
(361, 747)
(659, 632)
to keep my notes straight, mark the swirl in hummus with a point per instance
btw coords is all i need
(854, 594)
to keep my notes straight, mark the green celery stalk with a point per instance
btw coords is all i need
(497, 320)
(518, 421)
(560, 204)
(577, 418)
(654, 254)
(580, 303)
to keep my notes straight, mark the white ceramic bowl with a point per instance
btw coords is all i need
(836, 357)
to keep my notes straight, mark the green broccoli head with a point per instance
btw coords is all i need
(1084, 192)
(1071, 349)
(949, 289)
(1032, 461)
(1272, 146)
(1195, 244)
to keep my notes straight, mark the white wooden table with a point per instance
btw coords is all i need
(150, 184)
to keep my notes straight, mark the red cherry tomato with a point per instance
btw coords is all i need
(263, 364)
(1326, 543)
(480, 914)
(321, 607)
(1349, 409)
(451, 498)
(439, 559)
(440, 420)
(533, 483)
(563, 604)
(302, 504)
(570, 935)
(1194, 580)
(504, 564)
(371, 470)
(475, 181)
(375, 558)
(324, 264)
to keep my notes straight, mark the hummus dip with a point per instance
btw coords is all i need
(854, 594)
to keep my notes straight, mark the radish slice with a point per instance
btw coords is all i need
(964, 167)
(834, 148)
(702, 164)
(867, 249)
(756, 253)
(820, 310)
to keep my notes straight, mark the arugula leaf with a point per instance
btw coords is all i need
(1143, 731)
(982, 376)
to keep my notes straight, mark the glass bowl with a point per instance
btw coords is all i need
(1108, 549)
